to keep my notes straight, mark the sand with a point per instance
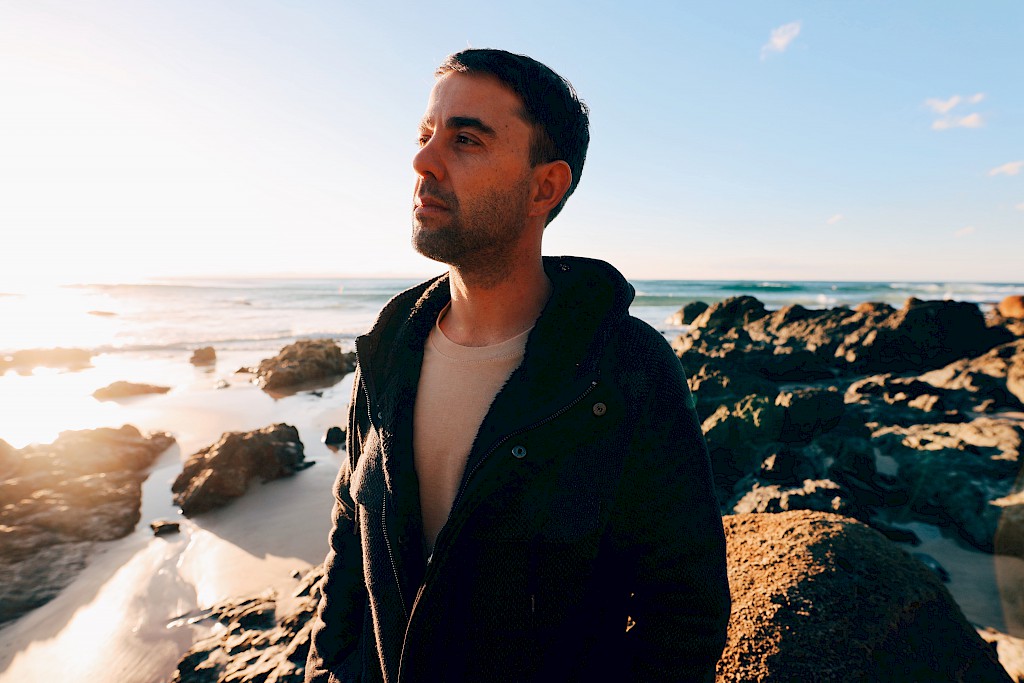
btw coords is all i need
(127, 618)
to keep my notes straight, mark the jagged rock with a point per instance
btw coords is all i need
(71, 359)
(35, 579)
(808, 413)
(163, 527)
(118, 390)
(1012, 306)
(334, 437)
(688, 313)
(921, 335)
(257, 645)
(713, 386)
(206, 355)
(55, 499)
(997, 375)
(889, 399)
(822, 495)
(818, 597)
(954, 473)
(304, 361)
(1010, 651)
(221, 472)
(819, 331)
(735, 311)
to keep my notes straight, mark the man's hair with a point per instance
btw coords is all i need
(560, 120)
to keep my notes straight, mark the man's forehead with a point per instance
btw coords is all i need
(471, 96)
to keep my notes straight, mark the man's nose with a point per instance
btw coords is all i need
(428, 161)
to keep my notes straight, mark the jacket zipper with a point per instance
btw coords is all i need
(458, 497)
(522, 430)
(391, 554)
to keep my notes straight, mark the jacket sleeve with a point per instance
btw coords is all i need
(671, 529)
(334, 652)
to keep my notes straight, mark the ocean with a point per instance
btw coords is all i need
(265, 314)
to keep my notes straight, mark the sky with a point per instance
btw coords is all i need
(746, 140)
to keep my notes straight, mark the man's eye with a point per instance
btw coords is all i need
(422, 140)
(464, 140)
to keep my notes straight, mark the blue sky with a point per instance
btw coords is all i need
(783, 140)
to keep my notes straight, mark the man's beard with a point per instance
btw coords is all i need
(476, 239)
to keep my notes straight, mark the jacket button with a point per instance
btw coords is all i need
(519, 452)
(600, 409)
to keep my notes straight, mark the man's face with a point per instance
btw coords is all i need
(473, 173)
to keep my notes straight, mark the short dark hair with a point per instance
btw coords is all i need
(560, 119)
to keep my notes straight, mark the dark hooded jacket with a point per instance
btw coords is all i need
(587, 505)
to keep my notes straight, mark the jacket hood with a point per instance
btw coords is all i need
(589, 297)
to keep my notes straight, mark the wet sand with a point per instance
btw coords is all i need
(127, 618)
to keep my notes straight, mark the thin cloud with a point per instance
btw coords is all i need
(948, 120)
(781, 38)
(1020, 207)
(942, 106)
(964, 232)
(1009, 168)
(835, 219)
(969, 121)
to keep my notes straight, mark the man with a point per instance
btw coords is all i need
(525, 473)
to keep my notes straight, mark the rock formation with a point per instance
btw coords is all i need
(117, 390)
(56, 499)
(688, 313)
(1012, 306)
(818, 597)
(304, 361)
(221, 472)
(206, 355)
(257, 645)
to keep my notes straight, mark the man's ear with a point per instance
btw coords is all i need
(550, 183)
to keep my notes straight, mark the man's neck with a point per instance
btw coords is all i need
(490, 314)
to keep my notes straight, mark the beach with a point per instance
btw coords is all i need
(136, 607)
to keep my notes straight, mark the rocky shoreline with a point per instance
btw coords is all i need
(833, 433)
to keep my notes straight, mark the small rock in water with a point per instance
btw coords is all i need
(334, 437)
(933, 565)
(163, 527)
(221, 384)
(203, 356)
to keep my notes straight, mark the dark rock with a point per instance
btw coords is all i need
(713, 385)
(821, 495)
(734, 312)
(997, 376)
(304, 361)
(808, 413)
(163, 527)
(221, 472)
(118, 390)
(206, 355)
(334, 437)
(817, 597)
(56, 499)
(933, 565)
(903, 400)
(921, 335)
(954, 474)
(688, 313)
(257, 644)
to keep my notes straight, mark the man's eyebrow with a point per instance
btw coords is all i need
(470, 122)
